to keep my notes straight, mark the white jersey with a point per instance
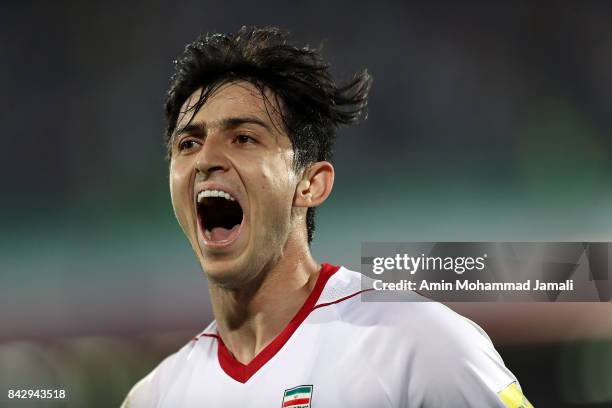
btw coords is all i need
(341, 352)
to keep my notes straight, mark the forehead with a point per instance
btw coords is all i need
(233, 99)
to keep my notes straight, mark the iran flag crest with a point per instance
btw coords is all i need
(298, 397)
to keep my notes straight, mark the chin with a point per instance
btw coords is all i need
(227, 274)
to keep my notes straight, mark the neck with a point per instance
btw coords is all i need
(249, 318)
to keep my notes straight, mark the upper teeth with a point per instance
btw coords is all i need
(214, 193)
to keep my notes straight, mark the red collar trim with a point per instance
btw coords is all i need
(242, 372)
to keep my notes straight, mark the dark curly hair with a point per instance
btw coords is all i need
(313, 106)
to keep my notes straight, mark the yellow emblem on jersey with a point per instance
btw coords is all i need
(513, 397)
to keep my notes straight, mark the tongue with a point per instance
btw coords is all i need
(222, 234)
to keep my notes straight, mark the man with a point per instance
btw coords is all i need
(251, 125)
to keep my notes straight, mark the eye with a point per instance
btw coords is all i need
(244, 139)
(187, 145)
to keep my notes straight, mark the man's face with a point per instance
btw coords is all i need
(232, 182)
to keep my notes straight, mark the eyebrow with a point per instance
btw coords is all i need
(200, 128)
(229, 123)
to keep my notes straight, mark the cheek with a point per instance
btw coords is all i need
(179, 194)
(277, 169)
(276, 184)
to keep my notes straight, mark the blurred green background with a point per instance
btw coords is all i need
(487, 122)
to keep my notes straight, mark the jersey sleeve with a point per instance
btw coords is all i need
(459, 367)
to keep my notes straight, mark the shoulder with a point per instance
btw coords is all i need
(149, 391)
(438, 351)
(350, 293)
(146, 391)
(405, 315)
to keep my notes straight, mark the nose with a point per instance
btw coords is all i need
(211, 157)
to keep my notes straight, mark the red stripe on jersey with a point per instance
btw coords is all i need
(298, 401)
(214, 336)
(341, 299)
(242, 372)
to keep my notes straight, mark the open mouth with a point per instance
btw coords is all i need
(220, 216)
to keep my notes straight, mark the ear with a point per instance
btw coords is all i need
(315, 186)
